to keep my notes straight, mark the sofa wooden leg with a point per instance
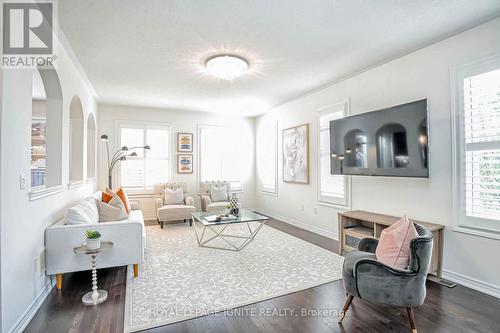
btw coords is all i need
(161, 224)
(136, 270)
(346, 307)
(190, 222)
(411, 317)
(59, 281)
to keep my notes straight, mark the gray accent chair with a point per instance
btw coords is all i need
(373, 281)
(207, 205)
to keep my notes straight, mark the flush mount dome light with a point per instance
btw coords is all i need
(226, 66)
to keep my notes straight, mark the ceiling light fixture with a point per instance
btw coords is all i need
(226, 66)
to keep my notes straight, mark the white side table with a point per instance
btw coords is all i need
(95, 296)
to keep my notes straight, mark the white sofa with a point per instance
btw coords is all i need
(128, 237)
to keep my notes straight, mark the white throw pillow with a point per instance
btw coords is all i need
(174, 197)
(83, 213)
(114, 210)
(218, 194)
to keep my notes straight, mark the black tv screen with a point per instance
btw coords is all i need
(388, 142)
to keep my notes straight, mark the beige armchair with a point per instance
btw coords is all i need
(178, 212)
(206, 202)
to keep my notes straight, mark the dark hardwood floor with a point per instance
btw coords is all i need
(313, 310)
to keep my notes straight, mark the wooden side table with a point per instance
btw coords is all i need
(96, 296)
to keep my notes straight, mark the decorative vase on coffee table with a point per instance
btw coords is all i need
(234, 202)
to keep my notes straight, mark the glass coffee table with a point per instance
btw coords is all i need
(204, 221)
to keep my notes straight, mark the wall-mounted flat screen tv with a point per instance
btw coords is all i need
(388, 142)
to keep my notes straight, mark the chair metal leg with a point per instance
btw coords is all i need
(346, 307)
(411, 317)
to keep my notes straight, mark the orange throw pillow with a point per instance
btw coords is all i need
(393, 248)
(121, 193)
(106, 197)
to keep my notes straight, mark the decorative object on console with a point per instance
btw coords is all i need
(235, 204)
(296, 154)
(93, 239)
(119, 155)
(185, 142)
(185, 163)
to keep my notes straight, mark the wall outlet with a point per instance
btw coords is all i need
(316, 211)
(302, 207)
(22, 181)
(40, 264)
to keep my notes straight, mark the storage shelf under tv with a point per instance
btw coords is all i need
(358, 224)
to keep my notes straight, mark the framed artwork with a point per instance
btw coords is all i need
(184, 163)
(185, 142)
(296, 154)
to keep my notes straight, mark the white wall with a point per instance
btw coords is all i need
(180, 121)
(23, 222)
(421, 74)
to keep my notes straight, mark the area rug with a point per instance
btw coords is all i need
(180, 280)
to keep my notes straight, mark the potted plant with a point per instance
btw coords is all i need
(93, 239)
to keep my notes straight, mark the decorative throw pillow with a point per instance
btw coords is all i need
(112, 211)
(218, 194)
(106, 197)
(121, 193)
(83, 213)
(174, 197)
(393, 248)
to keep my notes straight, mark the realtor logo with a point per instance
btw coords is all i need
(27, 34)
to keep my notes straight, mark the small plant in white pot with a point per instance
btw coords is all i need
(93, 239)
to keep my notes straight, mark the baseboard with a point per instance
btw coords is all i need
(301, 225)
(472, 283)
(30, 312)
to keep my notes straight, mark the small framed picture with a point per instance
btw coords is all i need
(184, 163)
(185, 142)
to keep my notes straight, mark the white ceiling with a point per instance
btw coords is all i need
(151, 53)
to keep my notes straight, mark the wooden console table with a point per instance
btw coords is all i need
(355, 225)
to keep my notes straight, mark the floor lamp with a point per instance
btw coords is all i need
(120, 155)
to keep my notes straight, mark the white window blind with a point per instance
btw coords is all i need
(267, 156)
(481, 119)
(220, 156)
(149, 166)
(331, 188)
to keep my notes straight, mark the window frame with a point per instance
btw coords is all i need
(119, 124)
(274, 192)
(462, 222)
(336, 202)
(199, 129)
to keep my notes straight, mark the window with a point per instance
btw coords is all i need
(46, 133)
(267, 159)
(75, 140)
(220, 155)
(332, 189)
(91, 144)
(477, 142)
(151, 166)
